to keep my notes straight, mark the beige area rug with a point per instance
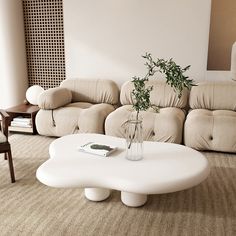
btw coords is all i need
(31, 208)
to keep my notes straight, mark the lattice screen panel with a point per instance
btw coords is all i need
(44, 42)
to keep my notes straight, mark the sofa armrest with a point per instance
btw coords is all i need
(54, 98)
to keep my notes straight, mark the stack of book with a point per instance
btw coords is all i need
(20, 121)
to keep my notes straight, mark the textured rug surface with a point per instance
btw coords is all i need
(28, 207)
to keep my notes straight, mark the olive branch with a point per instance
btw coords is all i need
(174, 75)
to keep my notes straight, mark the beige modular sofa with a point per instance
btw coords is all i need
(165, 126)
(77, 106)
(211, 122)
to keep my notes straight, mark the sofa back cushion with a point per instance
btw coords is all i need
(219, 95)
(162, 95)
(92, 90)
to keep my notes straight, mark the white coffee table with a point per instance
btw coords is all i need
(165, 168)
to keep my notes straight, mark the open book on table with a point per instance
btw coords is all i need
(97, 148)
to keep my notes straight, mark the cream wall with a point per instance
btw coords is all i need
(13, 67)
(106, 38)
(218, 75)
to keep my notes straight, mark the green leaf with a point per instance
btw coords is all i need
(174, 75)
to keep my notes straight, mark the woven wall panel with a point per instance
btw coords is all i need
(44, 42)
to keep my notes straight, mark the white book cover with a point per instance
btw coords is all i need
(20, 124)
(22, 119)
(97, 148)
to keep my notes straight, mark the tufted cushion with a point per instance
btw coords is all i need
(79, 117)
(165, 126)
(54, 98)
(3, 138)
(214, 96)
(162, 95)
(92, 90)
(211, 130)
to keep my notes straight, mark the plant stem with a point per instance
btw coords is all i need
(135, 130)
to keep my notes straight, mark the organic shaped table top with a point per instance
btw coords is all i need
(165, 168)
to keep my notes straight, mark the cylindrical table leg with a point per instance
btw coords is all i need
(133, 199)
(96, 194)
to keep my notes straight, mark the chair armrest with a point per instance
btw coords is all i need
(54, 98)
(5, 122)
(4, 114)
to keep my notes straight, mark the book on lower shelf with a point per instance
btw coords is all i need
(97, 149)
(20, 129)
(20, 121)
(20, 124)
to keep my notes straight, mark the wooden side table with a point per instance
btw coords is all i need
(26, 111)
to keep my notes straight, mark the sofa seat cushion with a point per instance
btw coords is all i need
(165, 126)
(79, 117)
(211, 130)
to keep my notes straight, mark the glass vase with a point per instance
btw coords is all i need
(134, 140)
